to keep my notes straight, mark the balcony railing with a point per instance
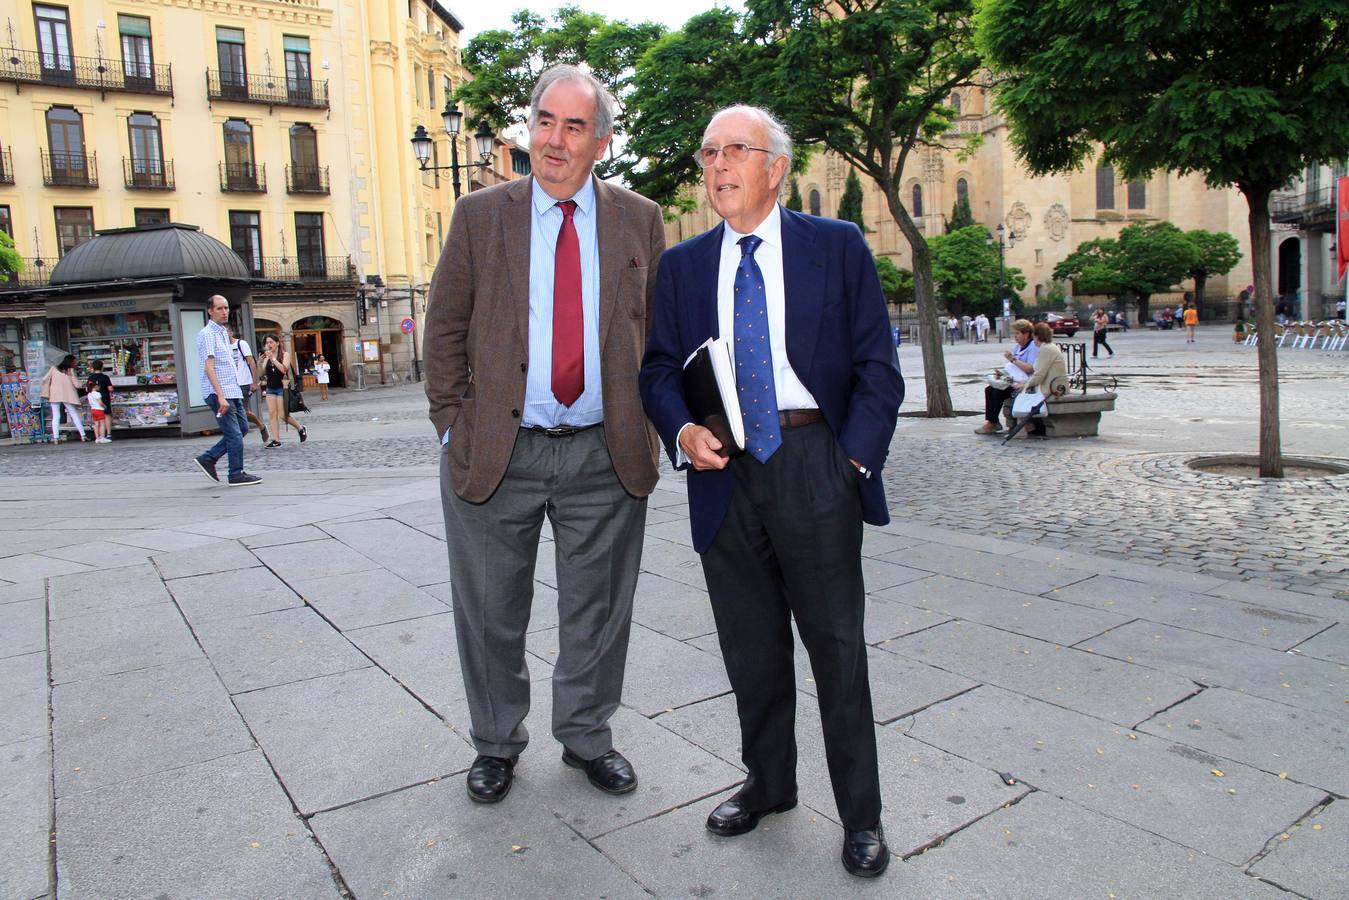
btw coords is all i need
(36, 272)
(306, 268)
(148, 174)
(6, 168)
(35, 67)
(266, 89)
(61, 169)
(243, 178)
(1306, 208)
(307, 180)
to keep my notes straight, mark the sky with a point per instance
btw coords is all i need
(486, 16)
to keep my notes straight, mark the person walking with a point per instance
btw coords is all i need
(246, 368)
(275, 372)
(60, 388)
(532, 386)
(952, 328)
(321, 370)
(1100, 326)
(1191, 320)
(779, 529)
(220, 387)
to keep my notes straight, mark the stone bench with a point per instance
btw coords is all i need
(1071, 415)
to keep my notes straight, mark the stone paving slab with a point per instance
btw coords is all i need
(119, 727)
(1006, 609)
(300, 513)
(1115, 567)
(676, 562)
(432, 842)
(1312, 860)
(101, 555)
(1253, 624)
(1285, 677)
(1331, 645)
(227, 529)
(1048, 847)
(314, 559)
(410, 554)
(88, 646)
(221, 828)
(276, 648)
(346, 737)
(106, 592)
(988, 568)
(17, 593)
(35, 567)
(1309, 747)
(885, 620)
(879, 574)
(25, 808)
(418, 512)
(673, 608)
(229, 595)
(225, 557)
(1156, 785)
(23, 697)
(23, 627)
(162, 539)
(899, 686)
(794, 854)
(877, 541)
(1333, 608)
(276, 537)
(371, 597)
(661, 674)
(1108, 689)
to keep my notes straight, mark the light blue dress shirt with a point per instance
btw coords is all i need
(541, 407)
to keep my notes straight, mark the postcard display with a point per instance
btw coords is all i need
(137, 353)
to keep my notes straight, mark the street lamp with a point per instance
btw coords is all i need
(453, 119)
(1002, 267)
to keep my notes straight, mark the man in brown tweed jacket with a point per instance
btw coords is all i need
(534, 334)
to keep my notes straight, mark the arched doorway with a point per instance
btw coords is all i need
(1290, 274)
(316, 335)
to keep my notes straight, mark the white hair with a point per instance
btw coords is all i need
(779, 141)
(605, 104)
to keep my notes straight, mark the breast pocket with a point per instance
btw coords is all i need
(632, 290)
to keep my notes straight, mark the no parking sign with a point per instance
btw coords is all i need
(408, 325)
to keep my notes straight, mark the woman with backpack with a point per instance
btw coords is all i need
(275, 373)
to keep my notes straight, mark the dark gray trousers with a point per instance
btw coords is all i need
(597, 537)
(791, 547)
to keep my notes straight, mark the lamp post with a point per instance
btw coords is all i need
(1002, 272)
(453, 119)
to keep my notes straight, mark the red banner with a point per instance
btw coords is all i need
(1342, 220)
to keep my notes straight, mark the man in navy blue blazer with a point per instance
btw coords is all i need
(780, 528)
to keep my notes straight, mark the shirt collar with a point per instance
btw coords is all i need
(585, 198)
(769, 231)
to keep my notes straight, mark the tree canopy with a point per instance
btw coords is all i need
(896, 282)
(1218, 253)
(1146, 259)
(10, 260)
(966, 270)
(961, 217)
(850, 204)
(794, 197)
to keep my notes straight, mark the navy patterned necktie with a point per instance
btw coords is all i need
(754, 356)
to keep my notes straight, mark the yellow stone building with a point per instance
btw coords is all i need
(280, 127)
(1049, 216)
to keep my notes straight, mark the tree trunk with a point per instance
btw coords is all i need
(929, 334)
(1199, 282)
(1143, 317)
(1271, 453)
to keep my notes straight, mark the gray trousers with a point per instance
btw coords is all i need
(597, 538)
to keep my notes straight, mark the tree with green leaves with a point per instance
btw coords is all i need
(896, 282)
(11, 263)
(794, 197)
(1245, 94)
(1218, 253)
(1093, 267)
(505, 64)
(961, 217)
(850, 204)
(1146, 259)
(965, 268)
(869, 80)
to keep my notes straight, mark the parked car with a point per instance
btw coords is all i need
(1064, 325)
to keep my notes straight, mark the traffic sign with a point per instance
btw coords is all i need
(408, 325)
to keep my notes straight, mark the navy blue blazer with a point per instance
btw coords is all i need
(838, 341)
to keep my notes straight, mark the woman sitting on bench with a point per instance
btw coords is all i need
(1021, 359)
(1050, 369)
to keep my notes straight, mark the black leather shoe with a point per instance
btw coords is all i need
(865, 853)
(490, 778)
(732, 817)
(611, 773)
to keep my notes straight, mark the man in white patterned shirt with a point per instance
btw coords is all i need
(220, 387)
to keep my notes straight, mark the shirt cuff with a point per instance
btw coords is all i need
(681, 458)
(445, 438)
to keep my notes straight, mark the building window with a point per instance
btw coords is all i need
(299, 77)
(417, 82)
(1105, 187)
(147, 153)
(147, 217)
(962, 192)
(309, 243)
(240, 173)
(53, 42)
(431, 88)
(1313, 181)
(304, 157)
(1138, 195)
(447, 88)
(74, 226)
(246, 239)
(137, 57)
(65, 137)
(916, 209)
(520, 163)
(1039, 257)
(6, 223)
(955, 103)
(814, 202)
(229, 49)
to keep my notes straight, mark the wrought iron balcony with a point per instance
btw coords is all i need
(6, 168)
(266, 89)
(36, 272)
(62, 169)
(308, 268)
(148, 174)
(244, 178)
(307, 180)
(1314, 209)
(97, 74)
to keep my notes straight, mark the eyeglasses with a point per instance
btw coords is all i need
(734, 153)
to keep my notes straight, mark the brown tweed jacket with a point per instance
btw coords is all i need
(477, 332)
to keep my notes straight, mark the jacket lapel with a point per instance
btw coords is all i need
(707, 265)
(516, 228)
(609, 227)
(803, 273)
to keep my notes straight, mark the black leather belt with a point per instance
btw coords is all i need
(558, 431)
(795, 418)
